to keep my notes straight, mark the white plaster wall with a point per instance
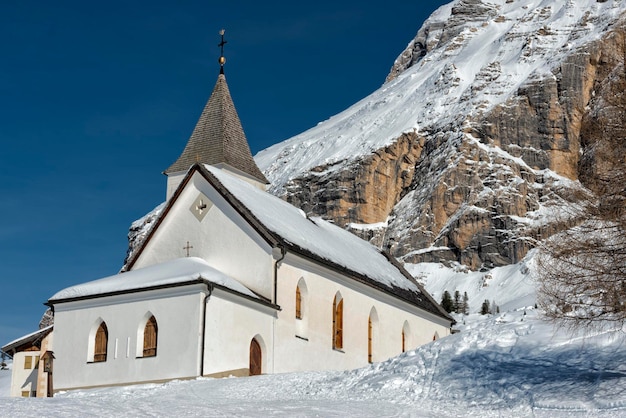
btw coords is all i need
(231, 325)
(316, 353)
(23, 379)
(173, 181)
(222, 238)
(178, 318)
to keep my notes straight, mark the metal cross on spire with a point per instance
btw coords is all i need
(222, 60)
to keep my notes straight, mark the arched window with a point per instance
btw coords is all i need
(101, 342)
(369, 339)
(406, 332)
(301, 311)
(298, 303)
(150, 334)
(372, 334)
(338, 322)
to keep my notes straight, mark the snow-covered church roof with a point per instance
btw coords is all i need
(283, 225)
(170, 273)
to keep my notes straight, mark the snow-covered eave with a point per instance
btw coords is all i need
(31, 338)
(200, 280)
(422, 299)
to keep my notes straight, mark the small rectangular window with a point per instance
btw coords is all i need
(25, 394)
(28, 362)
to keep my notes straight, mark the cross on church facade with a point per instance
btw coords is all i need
(187, 247)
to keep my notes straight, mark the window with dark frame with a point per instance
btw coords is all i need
(100, 347)
(150, 335)
(338, 322)
(403, 341)
(369, 339)
(298, 303)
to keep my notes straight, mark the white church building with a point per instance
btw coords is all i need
(230, 280)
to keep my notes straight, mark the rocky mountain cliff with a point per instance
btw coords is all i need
(480, 142)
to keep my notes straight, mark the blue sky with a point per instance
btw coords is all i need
(99, 98)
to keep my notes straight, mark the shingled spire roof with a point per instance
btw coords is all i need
(218, 137)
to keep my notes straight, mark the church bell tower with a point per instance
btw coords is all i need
(218, 139)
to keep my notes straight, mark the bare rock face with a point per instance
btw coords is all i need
(478, 209)
(365, 192)
(484, 191)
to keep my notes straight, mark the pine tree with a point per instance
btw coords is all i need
(484, 309)
(446, 302)
(457, 301)
(465, 304)
(494, 307)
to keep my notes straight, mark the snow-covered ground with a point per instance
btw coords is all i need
(509, 287)
(5, 382)
(511, 364)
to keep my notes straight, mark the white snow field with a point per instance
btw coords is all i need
(5, 382)
(508, 365)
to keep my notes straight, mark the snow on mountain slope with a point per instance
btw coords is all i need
(5, 380)
(512, 365)
(510, 287)
(497, 46)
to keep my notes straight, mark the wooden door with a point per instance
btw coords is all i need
(255, 358)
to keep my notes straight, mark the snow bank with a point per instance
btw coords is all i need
(5, 381)
(512, 365)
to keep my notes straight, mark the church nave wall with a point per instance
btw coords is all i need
(361, 303)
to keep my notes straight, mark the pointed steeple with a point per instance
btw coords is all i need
(218, 138)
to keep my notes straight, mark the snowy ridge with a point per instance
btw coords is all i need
(510, 287)
(491, 56)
